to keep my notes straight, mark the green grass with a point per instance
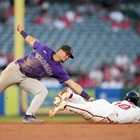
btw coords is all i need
(45, 118)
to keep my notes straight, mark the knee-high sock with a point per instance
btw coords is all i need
(77, 99)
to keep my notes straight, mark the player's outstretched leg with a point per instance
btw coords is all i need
(40, 93)
(60, 101)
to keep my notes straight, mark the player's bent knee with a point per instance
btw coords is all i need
(42, 90)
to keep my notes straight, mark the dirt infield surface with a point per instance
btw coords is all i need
(68, 131)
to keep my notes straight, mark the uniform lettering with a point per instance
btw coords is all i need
(44, 63)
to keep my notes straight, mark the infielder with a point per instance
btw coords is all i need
(99, 111)
(44, 62)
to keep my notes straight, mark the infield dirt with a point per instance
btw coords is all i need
(68, 131)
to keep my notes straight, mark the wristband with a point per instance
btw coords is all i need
(24, 34)
(85, 95)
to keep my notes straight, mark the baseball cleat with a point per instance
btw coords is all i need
(31, 119)
(63, 95)
(57, 108)
(59, 102)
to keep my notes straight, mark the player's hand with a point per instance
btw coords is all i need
(19, 28)
(91, 99)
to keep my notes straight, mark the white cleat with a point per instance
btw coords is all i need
(63, 95)
(59, 102)
(57, 108)
(53, 111)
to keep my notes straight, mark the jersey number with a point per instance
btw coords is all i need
(123, 106)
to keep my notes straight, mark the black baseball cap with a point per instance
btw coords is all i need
(67, 49)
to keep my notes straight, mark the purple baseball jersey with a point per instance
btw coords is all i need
(41, 64)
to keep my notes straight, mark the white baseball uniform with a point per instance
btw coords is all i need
(127, 112)
(101, 111)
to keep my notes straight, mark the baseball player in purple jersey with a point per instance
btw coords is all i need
(44, 62)
(99, 111)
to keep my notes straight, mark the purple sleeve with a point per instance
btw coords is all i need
(63, 76)
(37, 45)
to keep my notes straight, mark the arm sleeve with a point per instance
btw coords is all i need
(37, 45)
(62, 76)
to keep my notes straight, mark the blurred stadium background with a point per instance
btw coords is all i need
(104, 34)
